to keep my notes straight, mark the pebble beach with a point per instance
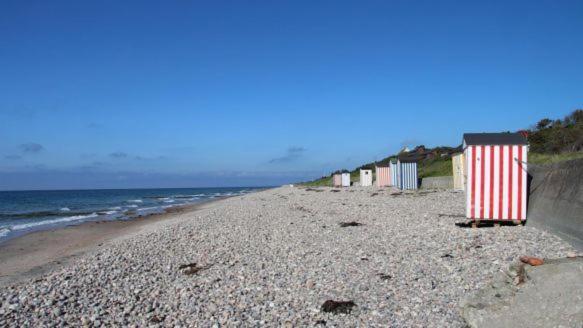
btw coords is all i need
(274, 257)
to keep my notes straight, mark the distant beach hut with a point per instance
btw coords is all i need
(496, 186)
(337, 180)
(407, 167)
(345, 179)
(394, 173)
(383, 172)
(458, 165)
(365, 178)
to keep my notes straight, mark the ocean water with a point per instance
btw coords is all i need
(23, 212)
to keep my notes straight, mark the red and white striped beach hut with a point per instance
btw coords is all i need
(496, 183)
(337, 180)
(383, 175)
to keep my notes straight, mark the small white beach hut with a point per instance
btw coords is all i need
(383, 175)
(365, 178)
(345, 179)
(337, 180)
(496, 186)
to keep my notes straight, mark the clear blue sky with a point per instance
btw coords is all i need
(98, 94)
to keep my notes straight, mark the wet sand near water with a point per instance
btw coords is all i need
(31, 255)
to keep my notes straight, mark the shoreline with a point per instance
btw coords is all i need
(33, 254)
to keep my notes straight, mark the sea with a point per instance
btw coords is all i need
(22, 212)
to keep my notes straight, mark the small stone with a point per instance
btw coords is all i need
(571, 255)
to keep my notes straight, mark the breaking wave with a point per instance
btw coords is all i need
(52, 221)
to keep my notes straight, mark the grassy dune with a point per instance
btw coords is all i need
(536, 158)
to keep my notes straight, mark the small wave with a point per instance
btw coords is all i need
(169, 201)
(107, 212)
(53, 221)
(116, 208)
(65, 209)
(132, 206)
(135, 201)
(4, 231)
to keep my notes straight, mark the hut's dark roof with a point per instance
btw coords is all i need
(494, 139)
(408, 158)
(382, 164)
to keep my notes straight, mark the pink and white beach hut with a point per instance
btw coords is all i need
(383, 175)
(337, 180)
(496, 180)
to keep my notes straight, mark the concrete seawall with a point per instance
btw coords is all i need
(556, 199)
(437, 183)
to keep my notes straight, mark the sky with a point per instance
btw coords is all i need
(138, 94)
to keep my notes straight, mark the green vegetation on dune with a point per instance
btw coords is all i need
(322, 182)
(552, 141)
(435, 168)
(355, 176)
(558, 136)
(536, 158)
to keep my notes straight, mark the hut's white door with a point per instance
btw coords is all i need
(345, 179)
(366, 178)
(457, 162)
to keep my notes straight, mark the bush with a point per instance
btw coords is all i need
(559, 136)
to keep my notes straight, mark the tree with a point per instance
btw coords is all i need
(576, 117)
(543, 123)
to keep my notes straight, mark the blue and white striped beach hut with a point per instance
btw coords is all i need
(394, 173)
(407, 173)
